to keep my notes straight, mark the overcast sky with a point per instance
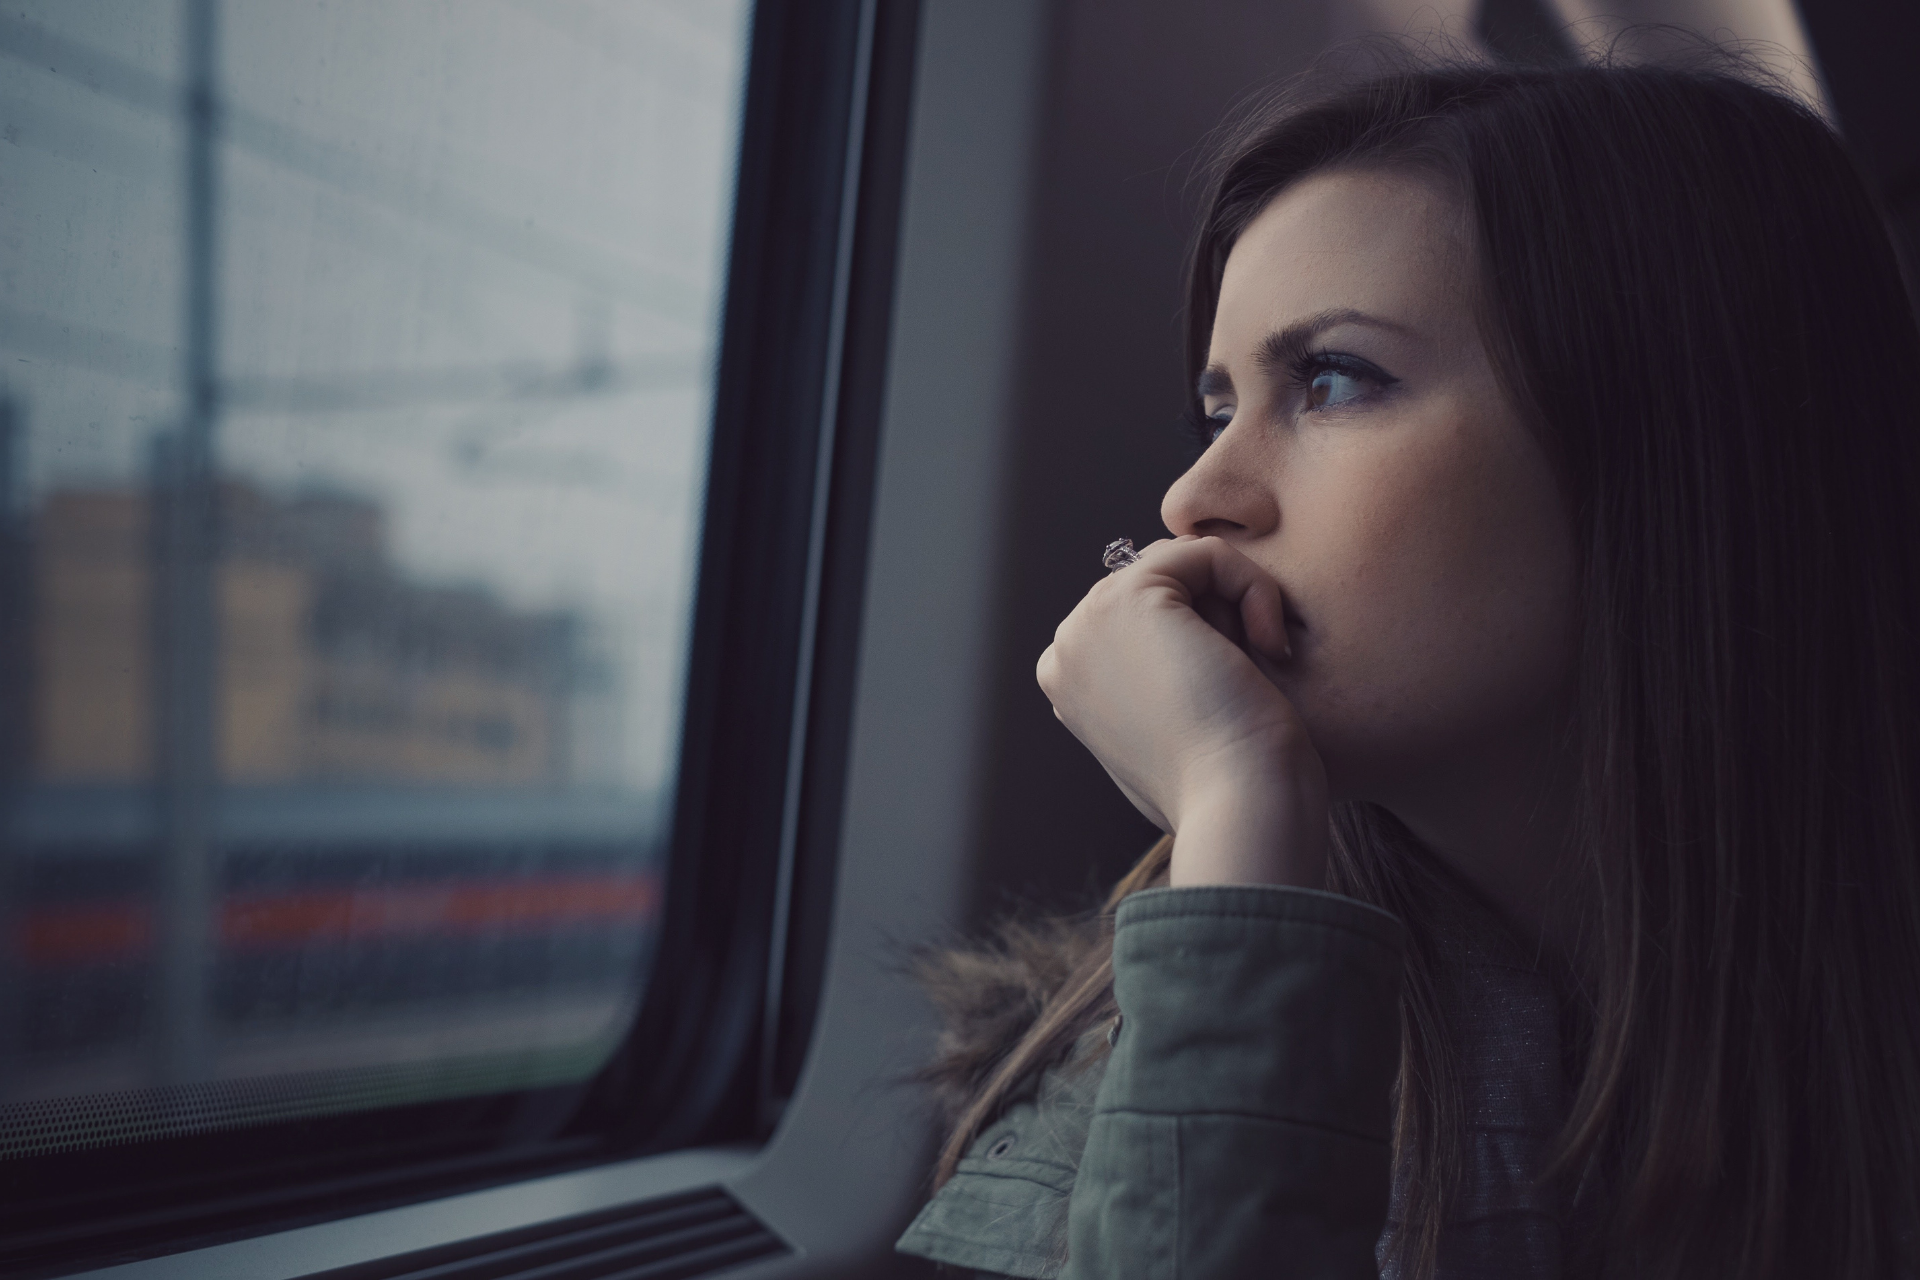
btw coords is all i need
(494, 189)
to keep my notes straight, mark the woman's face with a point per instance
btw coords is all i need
(1365, 455)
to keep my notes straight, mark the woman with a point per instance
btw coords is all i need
(1528, 693)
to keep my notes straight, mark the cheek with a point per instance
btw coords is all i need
(1440, 575)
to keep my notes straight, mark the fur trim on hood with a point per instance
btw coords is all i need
(990, 993)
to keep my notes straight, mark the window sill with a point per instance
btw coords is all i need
(289, 1255)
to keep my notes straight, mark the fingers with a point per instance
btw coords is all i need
(1236, 596)
(1165, 671)
(1223, 616)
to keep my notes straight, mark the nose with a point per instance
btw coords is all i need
(1228, 491)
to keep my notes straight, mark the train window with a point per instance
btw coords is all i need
(409, 602)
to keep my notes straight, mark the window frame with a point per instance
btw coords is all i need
(715, 1050)
(770, 680)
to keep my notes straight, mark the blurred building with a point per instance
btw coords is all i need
(333, 665)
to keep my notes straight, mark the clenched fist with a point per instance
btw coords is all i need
(1166, 672)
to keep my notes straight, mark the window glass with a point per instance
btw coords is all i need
(353, 426)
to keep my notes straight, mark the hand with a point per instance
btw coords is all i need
(1164, 672)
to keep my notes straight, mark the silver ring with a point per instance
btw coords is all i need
(1119, 554)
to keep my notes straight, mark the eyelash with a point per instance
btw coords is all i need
(1301, 371)
(1303, 368)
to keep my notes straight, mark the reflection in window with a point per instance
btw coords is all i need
(353, 428)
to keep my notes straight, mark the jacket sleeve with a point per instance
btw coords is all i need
(1242, 1127)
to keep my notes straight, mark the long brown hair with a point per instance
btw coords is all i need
(1694, 305)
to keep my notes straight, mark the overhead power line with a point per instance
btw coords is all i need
(350, 391)
(515, 381)
(636, 283)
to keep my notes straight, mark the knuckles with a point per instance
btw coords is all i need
(1109, 603)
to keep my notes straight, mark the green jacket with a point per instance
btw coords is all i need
(1240, 1125)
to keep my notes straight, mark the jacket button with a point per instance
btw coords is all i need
(1001, 1147)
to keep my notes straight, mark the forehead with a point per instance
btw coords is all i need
(1389, 244)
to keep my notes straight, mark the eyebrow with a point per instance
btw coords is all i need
(1284, 347)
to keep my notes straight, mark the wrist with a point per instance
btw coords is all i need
(1265, 830)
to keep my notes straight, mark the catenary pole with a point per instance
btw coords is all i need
(185, 600)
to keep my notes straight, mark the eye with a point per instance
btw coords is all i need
(1215, 423)
(1331, 380)
(1333, 387)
